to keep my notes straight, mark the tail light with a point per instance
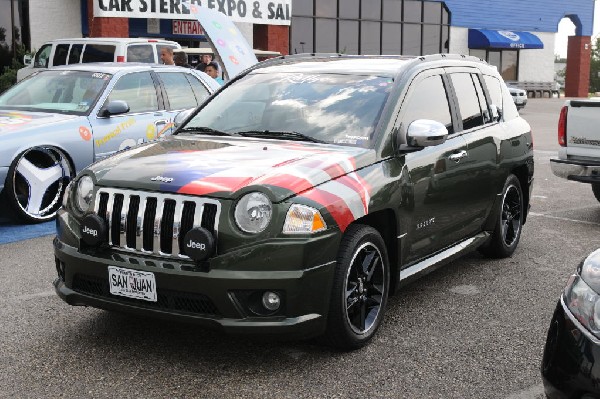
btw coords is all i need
(562, 127)
(120, 58)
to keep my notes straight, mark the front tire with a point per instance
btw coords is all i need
(507, 232)
(36, 182)
(360, 289)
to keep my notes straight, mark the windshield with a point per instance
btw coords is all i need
(339, 109)
(67, 92)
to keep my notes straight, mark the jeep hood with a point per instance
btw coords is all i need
(220, 168)
(21, 121)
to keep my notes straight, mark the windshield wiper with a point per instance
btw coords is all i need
(203, 130)
(279, 135)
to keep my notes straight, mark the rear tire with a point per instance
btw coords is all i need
(596, 190)
(360, 289)
(507, 232)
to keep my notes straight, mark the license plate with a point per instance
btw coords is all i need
(132, 283)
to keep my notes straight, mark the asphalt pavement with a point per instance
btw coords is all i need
(473, 329)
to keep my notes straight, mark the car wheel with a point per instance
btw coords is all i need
(596, 190)
(506, 234)
(360, 289)
(36, 182)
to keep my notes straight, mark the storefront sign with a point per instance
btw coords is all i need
(183, 27)
(278, 12)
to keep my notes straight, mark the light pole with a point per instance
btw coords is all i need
(12, 27)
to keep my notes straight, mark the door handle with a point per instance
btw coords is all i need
(161, 122)
(458, 156)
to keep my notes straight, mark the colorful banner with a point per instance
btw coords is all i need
(267, 12)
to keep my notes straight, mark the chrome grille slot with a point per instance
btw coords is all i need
(154, 223)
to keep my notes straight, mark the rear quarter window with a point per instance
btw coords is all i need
(98, 53)
(140, 53)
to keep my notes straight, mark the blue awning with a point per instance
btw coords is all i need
(486, 38)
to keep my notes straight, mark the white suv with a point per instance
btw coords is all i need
(105, 49)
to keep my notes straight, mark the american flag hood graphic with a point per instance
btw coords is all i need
(225, 169)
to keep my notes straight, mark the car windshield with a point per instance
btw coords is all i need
(331, 108)
(67, 92)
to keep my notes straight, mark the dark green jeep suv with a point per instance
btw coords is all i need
(296, 199)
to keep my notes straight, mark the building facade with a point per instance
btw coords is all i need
(517, 37)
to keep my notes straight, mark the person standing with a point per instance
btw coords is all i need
(212, 70)
(205, 59)
(181, 59)
(166, 55)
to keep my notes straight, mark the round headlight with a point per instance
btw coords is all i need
(85, 192)
(253, 212)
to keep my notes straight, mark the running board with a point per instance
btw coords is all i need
(438, 260)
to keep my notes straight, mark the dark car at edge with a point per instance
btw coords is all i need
(296, 199)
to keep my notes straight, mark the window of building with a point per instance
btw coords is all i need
(507, 61)
(409, 27)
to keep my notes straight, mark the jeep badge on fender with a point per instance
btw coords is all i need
(301, 195)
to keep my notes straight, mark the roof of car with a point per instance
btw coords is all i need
(112, 40)
(114, 67)
(381, 65)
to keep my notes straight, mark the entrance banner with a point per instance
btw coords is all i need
(269, 12)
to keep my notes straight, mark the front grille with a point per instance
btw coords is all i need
(175, 301)
(154, 223)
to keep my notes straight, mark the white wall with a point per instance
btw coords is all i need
(459, 40)
(53, 20)
(534, 65)
(538, 65)
(247, 30)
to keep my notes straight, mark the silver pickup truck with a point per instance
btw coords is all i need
(579, 138)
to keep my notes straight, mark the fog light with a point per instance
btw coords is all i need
(271, 301)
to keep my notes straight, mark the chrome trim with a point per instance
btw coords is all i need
(139, 230)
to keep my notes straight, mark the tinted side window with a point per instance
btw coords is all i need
(75, 54)
(178, 90)
(60, 54)
(98, 53)
(468, 102)
(509, 110)
(42, 56)
(428, 100)
(198, 88)
(482, 100)
(140, 53)
(137, 89)
(495, 90)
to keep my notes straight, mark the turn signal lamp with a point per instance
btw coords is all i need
(302, 219)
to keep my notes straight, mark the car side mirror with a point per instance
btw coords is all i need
(181, 117)
(115, 107)
(27, 59)
(425, 133)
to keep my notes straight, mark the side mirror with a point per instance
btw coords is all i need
(181, 117)
(425, 133)
(27, 59)
(496, 113)
(115, 107)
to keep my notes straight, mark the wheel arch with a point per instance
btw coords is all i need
(380, 221)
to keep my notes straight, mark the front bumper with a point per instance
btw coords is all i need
(585, 172)
(217, 297)
(571, 361)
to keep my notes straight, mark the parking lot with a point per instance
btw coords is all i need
(473, 329)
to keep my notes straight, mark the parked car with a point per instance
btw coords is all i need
(99, 49)
(301, 195)
(58, 121)
(569, 368)
(579, 139)
(519, 96)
